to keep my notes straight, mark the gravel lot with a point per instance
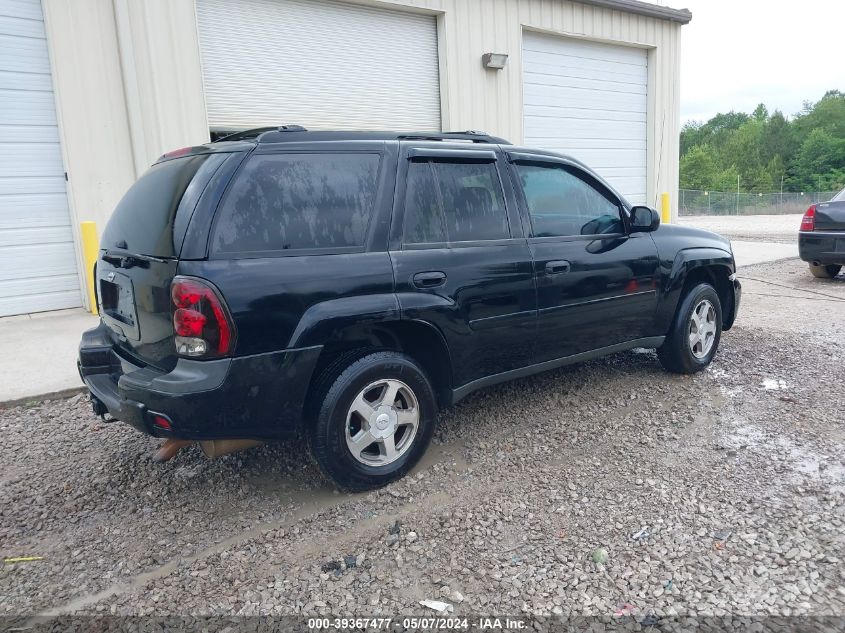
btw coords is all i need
(718, 494)
(770, 228)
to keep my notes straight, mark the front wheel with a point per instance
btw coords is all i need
(825, 271)
(374, 420)
(694, 338)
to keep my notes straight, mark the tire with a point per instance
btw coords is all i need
(825, 272)
(678, 354)
(349, 411)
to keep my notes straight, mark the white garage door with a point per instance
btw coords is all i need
(320, 64)
(589, 100)
(37, 259)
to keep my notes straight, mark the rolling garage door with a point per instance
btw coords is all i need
(37, 257)
(589, 100)
(318, 63)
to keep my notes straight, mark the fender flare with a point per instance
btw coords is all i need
(686, 261)
(697, 257)
(322, 319)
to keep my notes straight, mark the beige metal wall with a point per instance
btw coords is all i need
(474, 98)
(129, 84)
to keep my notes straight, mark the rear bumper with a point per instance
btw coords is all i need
(820, 247)
(258, 397)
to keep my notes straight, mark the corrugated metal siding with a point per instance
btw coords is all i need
(492, 100)
(131, 87)
(319, 64)
(37, 255)
(589, 100)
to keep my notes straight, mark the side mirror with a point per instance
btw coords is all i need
(644, 219)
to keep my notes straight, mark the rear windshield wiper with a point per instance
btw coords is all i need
(125, 260)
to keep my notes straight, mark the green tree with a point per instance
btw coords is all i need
(764, 149)
(820, 161)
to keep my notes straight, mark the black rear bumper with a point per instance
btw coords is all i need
(821, 247)
(258, 396)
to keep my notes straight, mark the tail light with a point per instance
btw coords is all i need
(808, 222)
(201, 320)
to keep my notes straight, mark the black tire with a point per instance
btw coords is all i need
(825, 272)
(675, 354)
(333, 396)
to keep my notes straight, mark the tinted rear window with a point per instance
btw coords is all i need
(144, 217)
(283, 202)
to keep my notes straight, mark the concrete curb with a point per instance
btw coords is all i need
(53, 395)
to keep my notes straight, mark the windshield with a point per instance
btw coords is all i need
(142, 222)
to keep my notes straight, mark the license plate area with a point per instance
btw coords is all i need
(117, 303)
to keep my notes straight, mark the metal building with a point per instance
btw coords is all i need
(93, 91)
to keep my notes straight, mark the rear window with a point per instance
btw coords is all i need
(144, 218)
(282, 202)
(839, 197)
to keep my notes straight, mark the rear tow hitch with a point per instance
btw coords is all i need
(100, 409)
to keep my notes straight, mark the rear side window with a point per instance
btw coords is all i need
(454, 202)
(144, 218)
(282, 202)
(424, 223)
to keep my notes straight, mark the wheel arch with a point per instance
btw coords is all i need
(420, 340)
(701, 265)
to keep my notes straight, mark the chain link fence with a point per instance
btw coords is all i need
(694, 202)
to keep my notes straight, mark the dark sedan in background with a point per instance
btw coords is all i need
(821, 240)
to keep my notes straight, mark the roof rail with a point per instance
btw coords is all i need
(297, 133)
(258, 131)
(245, 134)
(475, 136)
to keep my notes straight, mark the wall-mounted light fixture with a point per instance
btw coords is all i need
(494, 61)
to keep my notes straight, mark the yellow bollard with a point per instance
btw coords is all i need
(665, 209)
(90, 251)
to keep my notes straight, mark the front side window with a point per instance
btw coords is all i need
(562, 203)
(454, 202)
(282, 202)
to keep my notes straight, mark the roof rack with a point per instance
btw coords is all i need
(258, 131)
(475, 136)
(293, 133)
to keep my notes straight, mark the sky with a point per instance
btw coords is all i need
(738, 53)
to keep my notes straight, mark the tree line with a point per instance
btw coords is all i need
(805, 152)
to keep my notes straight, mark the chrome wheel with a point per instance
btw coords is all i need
(382, 422)
(702, 329)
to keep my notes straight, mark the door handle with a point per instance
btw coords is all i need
(431, 279)
(557, 267)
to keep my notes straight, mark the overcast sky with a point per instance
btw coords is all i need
(738, 53)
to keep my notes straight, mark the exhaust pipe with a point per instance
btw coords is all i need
(216, 448)
(169, 448)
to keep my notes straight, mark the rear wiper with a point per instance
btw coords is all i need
(122, 260)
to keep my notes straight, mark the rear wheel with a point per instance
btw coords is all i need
(373, 420)
(825, 271)
(694, 338)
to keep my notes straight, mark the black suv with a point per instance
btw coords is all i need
(347, 285)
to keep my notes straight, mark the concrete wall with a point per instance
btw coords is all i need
(129, 84)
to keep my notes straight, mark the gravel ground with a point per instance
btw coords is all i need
(771, 228)
(720, 493)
